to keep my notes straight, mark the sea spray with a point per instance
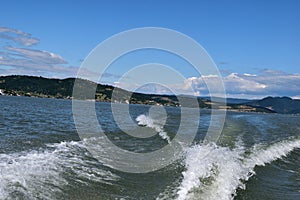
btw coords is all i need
(40, 174)
(215, 173)
(144, 120)
(209, 168)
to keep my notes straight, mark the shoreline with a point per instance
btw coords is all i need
(40, 87)
(32, 95)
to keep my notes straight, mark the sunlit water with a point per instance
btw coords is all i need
(42, 157)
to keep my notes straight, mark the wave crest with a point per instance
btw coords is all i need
(214, 172)
(41, 174)
(144, 120)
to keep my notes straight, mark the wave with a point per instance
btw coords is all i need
(144, 120)
(215, 173)
(41, 174)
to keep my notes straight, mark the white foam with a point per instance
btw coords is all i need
(261, 155)
(215, 173)
(147, 121)
(38, 174)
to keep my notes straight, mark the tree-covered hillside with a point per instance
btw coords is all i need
(63, 88)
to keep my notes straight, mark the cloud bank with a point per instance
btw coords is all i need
(266, 83)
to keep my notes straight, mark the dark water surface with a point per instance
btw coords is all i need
(42, 156)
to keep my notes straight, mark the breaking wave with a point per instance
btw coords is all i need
(144, 120)
(216, 173)
(41, 174)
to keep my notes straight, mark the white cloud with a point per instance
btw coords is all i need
(296, 97)
(246, 74)
(28, 61)
(25, 41)
(268, 82)
(22, 59)
(235, 82)
(18, 36)
(37, 56)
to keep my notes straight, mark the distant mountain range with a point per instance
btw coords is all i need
(33, 86)
(284, 105)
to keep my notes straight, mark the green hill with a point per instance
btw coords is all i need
(284, 105)
(63, 88)
(33, 86)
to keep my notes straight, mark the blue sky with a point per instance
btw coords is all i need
(254, 43)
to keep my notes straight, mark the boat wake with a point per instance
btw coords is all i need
(42, 174)
(216, 173)
(144, 120)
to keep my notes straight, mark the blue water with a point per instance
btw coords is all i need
(42, 156)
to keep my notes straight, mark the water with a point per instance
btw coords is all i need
(42, 157)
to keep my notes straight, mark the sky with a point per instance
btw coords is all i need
(254, 43)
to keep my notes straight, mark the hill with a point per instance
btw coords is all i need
(284, 105)
(33, 86)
